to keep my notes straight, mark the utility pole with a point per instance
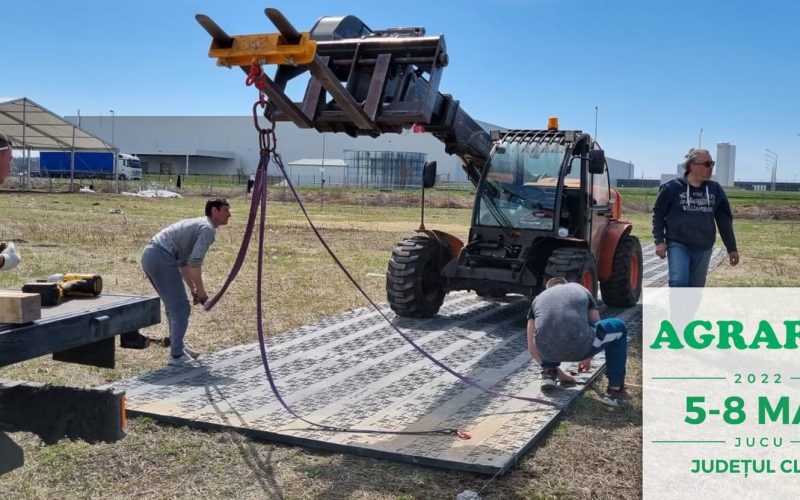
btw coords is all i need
(595, 124)
(700, 140)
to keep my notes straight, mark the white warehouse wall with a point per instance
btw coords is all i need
(619, 170)
(228, 145)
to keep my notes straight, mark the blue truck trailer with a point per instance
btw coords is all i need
(89, 165)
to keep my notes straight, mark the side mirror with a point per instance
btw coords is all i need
(429, 175)
(597, 161)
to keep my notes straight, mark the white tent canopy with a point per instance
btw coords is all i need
(34, 127)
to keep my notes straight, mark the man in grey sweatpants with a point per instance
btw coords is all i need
(174, 256)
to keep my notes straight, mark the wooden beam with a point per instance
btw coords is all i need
(19, 307)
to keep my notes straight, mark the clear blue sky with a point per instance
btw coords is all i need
(658, 71)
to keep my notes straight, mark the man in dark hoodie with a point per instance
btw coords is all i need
(686, 216)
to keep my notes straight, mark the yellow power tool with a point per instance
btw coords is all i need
(57, 287)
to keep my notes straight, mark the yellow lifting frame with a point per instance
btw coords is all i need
(268, 48)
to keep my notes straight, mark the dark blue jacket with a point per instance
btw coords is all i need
(686, 215)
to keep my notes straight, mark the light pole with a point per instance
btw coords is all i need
(322, 176)
(112, 126)
(595, 124)
(114, 150)
(772, 156)
(700, 140)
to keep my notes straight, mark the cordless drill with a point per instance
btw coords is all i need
(55, 289)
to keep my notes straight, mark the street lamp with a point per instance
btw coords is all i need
(112, 126)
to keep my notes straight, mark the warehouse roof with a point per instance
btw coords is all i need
(33, 126)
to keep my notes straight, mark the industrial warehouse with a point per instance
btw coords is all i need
(227, 145)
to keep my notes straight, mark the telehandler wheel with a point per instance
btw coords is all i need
(414, 283)
(624, 286)
(576, 265)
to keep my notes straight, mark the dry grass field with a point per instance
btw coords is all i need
(594, 452)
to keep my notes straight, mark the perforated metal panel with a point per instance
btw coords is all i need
(354, 370)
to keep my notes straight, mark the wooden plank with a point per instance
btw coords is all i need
(19, 307)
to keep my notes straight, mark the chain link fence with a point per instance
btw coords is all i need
(311, 189)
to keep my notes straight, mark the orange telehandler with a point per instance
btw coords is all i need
(543, 204)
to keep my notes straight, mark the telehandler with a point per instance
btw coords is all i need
(543, 204)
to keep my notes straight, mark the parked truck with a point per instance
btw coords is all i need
(543, 207)
(89, 165)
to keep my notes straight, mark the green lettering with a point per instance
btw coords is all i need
(792, 334)
(705, 339)
(668, 335)
(765, 410)
(731, 330)
(765, 334)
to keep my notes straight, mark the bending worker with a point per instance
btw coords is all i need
(174, 256)
(564, 325)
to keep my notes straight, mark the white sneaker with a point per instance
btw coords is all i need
(191, 352)
(184, 359)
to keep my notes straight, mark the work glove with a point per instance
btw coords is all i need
(10, 257)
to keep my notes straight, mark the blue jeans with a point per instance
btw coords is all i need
(687, 268)
(161, 268)
(611, 335)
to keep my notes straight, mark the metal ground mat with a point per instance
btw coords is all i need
(354, 370)
(655, 268)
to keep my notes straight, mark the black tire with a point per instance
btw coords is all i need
(624, 286)
(414, 283)
(574, 264)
